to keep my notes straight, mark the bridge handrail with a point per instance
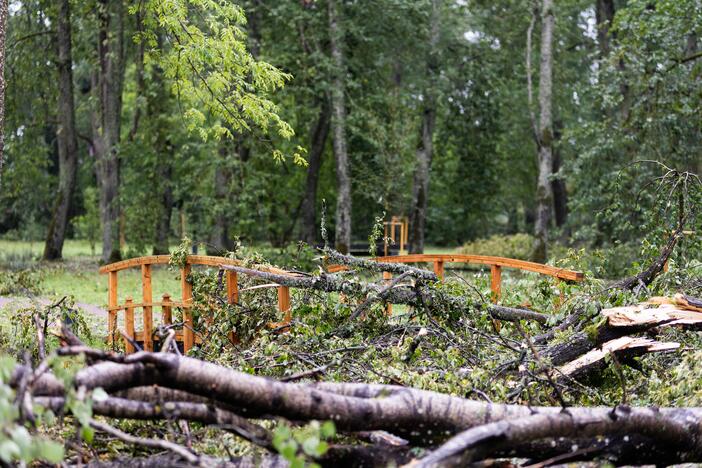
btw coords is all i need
(208, 260)
(560, 273)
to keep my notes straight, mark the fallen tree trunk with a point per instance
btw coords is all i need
(622, 322)
(418, 295)
(422, 417)
(378, 267)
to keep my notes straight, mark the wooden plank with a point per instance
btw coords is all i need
(166, 312)
(129, 325)
(232, 287)
(187, 296)
(387, 276)
(439, 269)
(284, 303)
(148, 319)
(496, 282)
(112, 303)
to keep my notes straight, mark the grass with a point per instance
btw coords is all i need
(89, 287)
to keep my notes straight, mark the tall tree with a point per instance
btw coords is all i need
(544, 191)
(338, 104)
(107, 83)
(3, 26)
(309, 202)
(420, 190)
(65, 135)
(604, 15)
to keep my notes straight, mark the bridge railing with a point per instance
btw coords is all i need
(496, 264)
(187, 336)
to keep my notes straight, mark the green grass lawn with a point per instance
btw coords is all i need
(90, 287)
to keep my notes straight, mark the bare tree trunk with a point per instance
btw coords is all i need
(309, 203)
(158, 112)
(544, 193)
(163, 221)
(338, 104)
(560, 193)
(219, 237)
(66, 136)
(420, 190)
(604, 14)
(107, 84)
(3, 27)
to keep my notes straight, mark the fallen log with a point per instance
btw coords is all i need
(622, 322)
(378, 267)
(417, 295)
(421, 417)
(626, 347)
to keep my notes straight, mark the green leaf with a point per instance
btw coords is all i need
(48, 450)
(328, 429)
(87, 433)
(99, 394)
(9, 451)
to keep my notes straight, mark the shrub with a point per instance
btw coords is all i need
(510, 246)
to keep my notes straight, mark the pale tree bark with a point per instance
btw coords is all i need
(338, 104)
(420, 190)
(107, 86)
(309, 202)
(560, 192)
(66, 136)
(544, 192)
(3, 27)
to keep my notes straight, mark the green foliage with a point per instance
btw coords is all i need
(17, 443)
(376, 234)
(299, 445)
(210, 68)
(511, 246)
(22, 282)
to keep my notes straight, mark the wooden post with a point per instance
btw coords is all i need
(187, 294)
(166, 314)
(392, 229)
(439, 269)
(284, 303)
(147, 298)
(402, 238)
(406, 222)
(233, 298)
(495, 282)
(387, 276)
(232, 287)
(129, 325)
(111, 303)
(385, 239)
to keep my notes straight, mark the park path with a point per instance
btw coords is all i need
(25, 301)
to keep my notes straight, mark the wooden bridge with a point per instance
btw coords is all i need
(188, 336)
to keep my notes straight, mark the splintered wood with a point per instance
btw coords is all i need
(633, 345)
(680, 310)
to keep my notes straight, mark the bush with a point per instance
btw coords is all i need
(511, 246)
